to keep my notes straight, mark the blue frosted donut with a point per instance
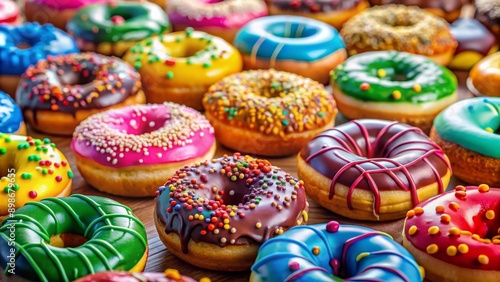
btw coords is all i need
(268, 41)
(331, 252)
(11, 117)
(43, 40)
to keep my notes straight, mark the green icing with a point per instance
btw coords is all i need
(473, 124)
(142, 20)
(391, 76)
(117, 240)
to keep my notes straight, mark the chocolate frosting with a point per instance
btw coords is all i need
(446, 5)
(471, 35)
(315, 6)
(232, 200)
(378, 156)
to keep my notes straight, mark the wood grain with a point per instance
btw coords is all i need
(160, 258)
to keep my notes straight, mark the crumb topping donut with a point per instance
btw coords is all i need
(167, 63)
(401, 28)
(56, 94)
(169, 275)
(455, 236)
(9, 13)
(112, 28)
(43, 41)
(373, 169)
(447, 9)
(220, 18)
(488, 13)
(294, 44)
(332, 252)
(393, 85)
(33, 169)
(225, 208)
(11, 117)
(62, 239)
(268, 112)
(468, 132)
(140, 146)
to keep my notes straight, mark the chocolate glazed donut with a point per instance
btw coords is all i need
(448, 9)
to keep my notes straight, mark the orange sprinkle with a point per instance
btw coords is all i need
(460, 188)
(454, 206)
(412, 230)
(483, 188)
(418, 210)
(410, 214)
(483, 259)
(490, 214)
(454, 231)
(439, 209)
(432, 249)
(463, 248)
(460, 194)
(451, 251)
(445, 218)
(433, 230)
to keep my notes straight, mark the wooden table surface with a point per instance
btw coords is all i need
(160, 258)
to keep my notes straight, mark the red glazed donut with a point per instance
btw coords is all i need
(455, 236)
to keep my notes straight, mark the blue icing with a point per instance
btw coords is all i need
(300, 38)
(10, 114)
(368, 258)
(44, 40)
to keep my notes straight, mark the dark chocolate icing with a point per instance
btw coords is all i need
(446, 5)
(471, 35)
(232, 200)
(315, 6)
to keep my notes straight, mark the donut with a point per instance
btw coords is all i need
(42, 40)
(221, 18)
(56, 12)
(474, 43)
(372, 169)
(450, 10)
(161, 3)
(300, 45)
(468, 133)
(268, 112)
(332, 252)
(487, 12)
(63, 239)
(170, 275)
(334, 13)
(32, 169)
(79, 85)
(111, 29)
(9, 13)
(131, 151)
(402, 28)
(454, 236)
(394, 86)
(167, 64)
(215, 214)
(484, 77)
(11, 117)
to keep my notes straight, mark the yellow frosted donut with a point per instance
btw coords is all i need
(180, 66)
(33, 169)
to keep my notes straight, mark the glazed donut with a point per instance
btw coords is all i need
(78, 86)
(56, 12)
(450, 10)
(225, 208)
(329, 252)
(220, 18)
(394, 86)
(131, 151)
(44, 40)
(170, 275)
(268, 112)
(474, 43)
(167, 64)
(373, 169)
(111, 29)
(484, 77)
(300, 45)
(487, 12)
(454, 236)
(11, 117)
(63, 239)
(334, 13)
(33, 169)
(401, 28)
(9, 13)
(468, 133)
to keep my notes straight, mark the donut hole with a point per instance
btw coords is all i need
(23, 45)
(292, 30)
(83, 77)
(187, 50)
(67, 240)
(152, 124)
(401, 21)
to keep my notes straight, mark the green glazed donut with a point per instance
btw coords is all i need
(113, 239)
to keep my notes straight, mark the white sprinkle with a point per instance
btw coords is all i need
(151, 124)
(146, 153)
(223, 240)
(115, 161)
(141, 161)
(202, 134)
(231, 192)
(120, 155)
(232, 241)
(159, 155)
(108, 159)
(216, 231)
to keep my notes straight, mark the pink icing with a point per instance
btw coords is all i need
(68, 4)
(143, 134)
(234, 20)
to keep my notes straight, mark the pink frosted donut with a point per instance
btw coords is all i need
(220, 18)
(131, 151)
(9, 13)
(56, 12)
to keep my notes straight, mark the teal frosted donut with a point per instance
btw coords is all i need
(290, 43)
(333, 252)
(104, 235)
